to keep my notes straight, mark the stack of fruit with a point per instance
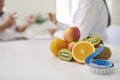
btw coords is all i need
(71, 48)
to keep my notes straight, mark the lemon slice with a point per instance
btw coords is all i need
(81, 50)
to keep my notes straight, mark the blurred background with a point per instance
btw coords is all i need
(24, 8)
(64, 10)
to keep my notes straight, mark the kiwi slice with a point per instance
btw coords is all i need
(95, 40)
(65, 54)
(105, 54)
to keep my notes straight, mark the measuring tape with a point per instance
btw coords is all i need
(99, 66)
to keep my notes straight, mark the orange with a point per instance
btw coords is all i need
(57, 44)
(81, 50)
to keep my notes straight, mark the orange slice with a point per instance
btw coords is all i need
(81, 50)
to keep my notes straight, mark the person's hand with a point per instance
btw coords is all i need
(10, 20)
(52, 18)
(31, 19)
(52, 31)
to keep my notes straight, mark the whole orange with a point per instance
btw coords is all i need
(57, 44)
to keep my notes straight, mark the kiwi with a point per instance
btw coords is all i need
(65, 54)
(95, 40)
(105, 54)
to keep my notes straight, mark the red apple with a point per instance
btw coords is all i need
(71, 34)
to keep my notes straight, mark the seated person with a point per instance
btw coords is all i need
(8, 26)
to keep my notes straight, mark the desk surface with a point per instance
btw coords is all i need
(32, 60)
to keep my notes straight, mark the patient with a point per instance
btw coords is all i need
(8, 26)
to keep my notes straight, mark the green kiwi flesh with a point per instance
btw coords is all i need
(65, 54)
(95, 40)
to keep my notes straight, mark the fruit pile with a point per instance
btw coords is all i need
(71, 48)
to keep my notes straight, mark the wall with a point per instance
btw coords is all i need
(25, 7)
(115, 12)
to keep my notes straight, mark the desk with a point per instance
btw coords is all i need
(32, 60)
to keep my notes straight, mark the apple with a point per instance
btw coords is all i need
(70, 45)
(71, 34)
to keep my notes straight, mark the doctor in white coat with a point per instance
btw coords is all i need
(92, 18)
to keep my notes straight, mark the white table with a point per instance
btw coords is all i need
(32, 60)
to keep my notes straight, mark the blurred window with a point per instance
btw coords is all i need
(65, 10)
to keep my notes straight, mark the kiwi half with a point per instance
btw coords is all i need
(65, 54)
(95, 40)
(105, 54)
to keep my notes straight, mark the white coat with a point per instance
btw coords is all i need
(91, 18)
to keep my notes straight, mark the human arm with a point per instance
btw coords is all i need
(59, 25)
(31, 19)
(55, 32)
(8, 22)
